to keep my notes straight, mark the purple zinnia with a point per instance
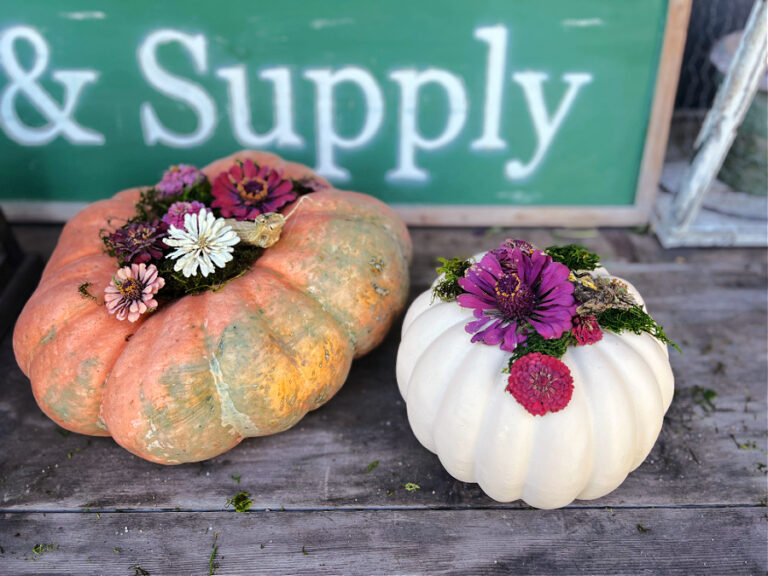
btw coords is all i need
(177, 211)
(504, 252)
(139, 242)
(178, 179)
(528, 288)
(246, 190)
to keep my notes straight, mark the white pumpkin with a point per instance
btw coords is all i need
(459, 409)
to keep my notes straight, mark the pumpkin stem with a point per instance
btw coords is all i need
(265, 230)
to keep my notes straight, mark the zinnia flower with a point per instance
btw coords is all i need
(178, 179)
(504, 252)
(245, 191)
(204, 242)
(177, 211)
(586, 330)
(540, 383)
(528, 289)
(132, 291)
(139, 242)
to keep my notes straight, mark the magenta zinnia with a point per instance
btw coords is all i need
(177, 211)
(540, 383)
(246, 190)
(139, 242)
(132, 291)
(525, 290)
(178, 179)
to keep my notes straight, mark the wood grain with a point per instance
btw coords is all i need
(702, 490)
(699, 541)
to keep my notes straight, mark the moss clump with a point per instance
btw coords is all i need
(177, 285)
(448, 288)
(241, 501)
(535, 342)
(574, 256)
(635, 320)
(40, 549)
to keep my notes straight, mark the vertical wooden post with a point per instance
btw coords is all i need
(719, 128)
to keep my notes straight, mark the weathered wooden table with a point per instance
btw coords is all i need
(321, 504)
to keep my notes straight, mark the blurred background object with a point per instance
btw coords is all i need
(721, 121)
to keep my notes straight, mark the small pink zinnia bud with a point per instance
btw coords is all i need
(587, 330)
(540, 383)
(132, 291)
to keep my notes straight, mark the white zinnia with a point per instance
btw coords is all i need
(204, 241)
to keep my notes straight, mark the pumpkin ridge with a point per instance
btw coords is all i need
(462, 435)
(489, 407)
(49, 292)
(573, 360)
(640, 449)
(285, 280)
(422, 403)
(373, 219)
(65, 336)
(229, 414)
(605, 468)
(449, 329)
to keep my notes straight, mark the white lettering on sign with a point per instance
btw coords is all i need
(411, 139)
(283, 133)
(496, 37)
(25, 83)
(327, 137)
(177, 89)
(545, 127)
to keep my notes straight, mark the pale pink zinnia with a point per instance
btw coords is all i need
(132, 291)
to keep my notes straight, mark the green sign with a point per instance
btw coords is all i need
(495, 103)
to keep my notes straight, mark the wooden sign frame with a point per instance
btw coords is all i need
(603, 214)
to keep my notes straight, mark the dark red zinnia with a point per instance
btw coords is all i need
(587, 330)
(139, 242)
(247, 190)
(540, 383)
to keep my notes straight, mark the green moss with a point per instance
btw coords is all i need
(411, 487)
(635, 320)
(372, 465)
(574, 256)
(176, 285)
(212, 564)
(40, 549)
(704, 397)
(241, 501)
(448, 288)
(83, 289)
(535, 342)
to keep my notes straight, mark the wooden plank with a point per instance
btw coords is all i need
(712, 302)
(668, 541)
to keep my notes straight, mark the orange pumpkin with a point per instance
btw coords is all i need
(203, 372)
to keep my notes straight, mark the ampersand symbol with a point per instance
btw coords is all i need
(23, 82)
